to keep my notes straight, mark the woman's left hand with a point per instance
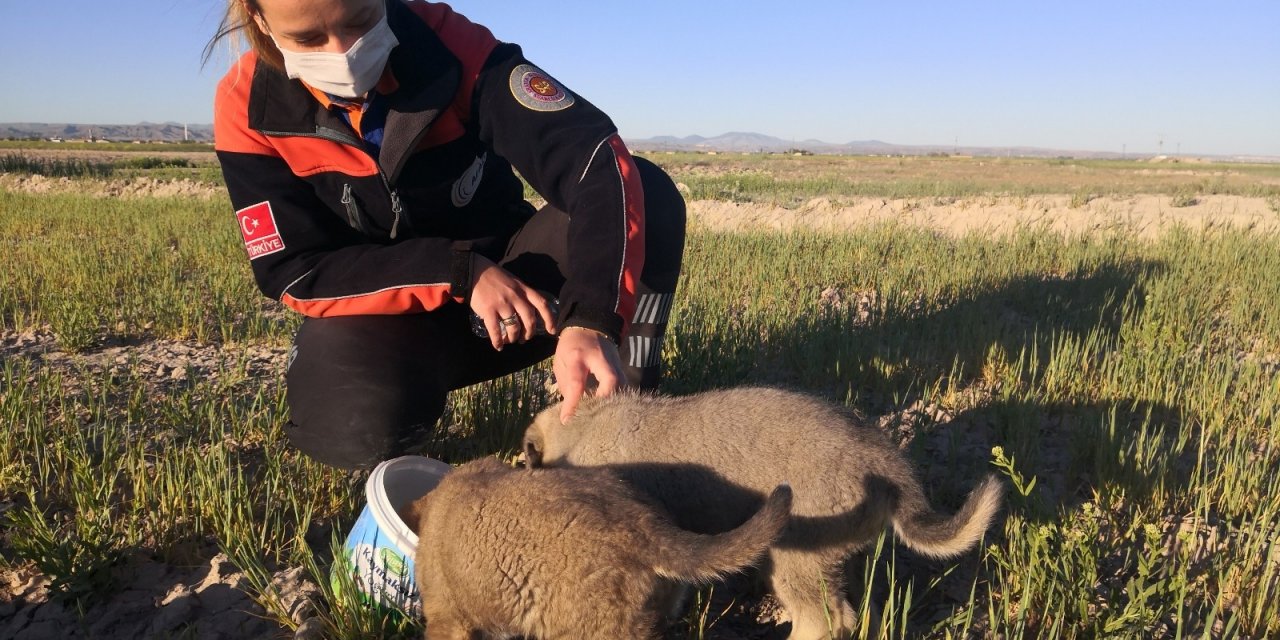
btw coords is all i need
(583, 354)
(510, 309)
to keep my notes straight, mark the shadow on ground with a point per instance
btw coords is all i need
(879, 364)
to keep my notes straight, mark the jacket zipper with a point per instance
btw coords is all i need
(353, 209)
(336, 136)
(395, 207)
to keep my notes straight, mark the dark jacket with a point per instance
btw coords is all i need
(332, 230)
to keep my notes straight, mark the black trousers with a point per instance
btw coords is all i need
(362, 389)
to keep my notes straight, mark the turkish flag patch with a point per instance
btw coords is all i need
(258, 226)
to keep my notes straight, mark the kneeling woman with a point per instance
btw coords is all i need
(370, 149)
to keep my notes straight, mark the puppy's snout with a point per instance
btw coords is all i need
(532, 456)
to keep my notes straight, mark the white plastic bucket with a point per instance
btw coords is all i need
(380, 547)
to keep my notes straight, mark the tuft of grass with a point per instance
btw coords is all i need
(1184, 197)
(1081, 198)
(55, 167)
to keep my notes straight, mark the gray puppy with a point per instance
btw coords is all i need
(560, 554)
(710, 458)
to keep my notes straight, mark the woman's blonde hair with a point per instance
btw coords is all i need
(238, 20)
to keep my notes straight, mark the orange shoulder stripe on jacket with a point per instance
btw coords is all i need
(311, 156)
(471, 44)
(231, 130)
(306, 156)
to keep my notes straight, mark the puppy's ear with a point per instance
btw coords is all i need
(532, 455)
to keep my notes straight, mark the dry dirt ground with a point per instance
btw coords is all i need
(205, 598)
(154, 600)
(142, 187)
(1146, 215)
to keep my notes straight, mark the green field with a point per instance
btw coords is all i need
(782, 180)
(1126, 389)
(793, 180)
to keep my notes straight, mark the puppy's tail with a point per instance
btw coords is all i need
(693, 557)
(932, 534)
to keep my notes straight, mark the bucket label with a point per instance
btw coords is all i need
(393, 561)
(381, 573)
(380, 570)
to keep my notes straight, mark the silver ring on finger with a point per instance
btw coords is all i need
(510, 321)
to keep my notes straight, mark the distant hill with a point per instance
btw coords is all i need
(734, 141)
(143, 131)
(737, 141)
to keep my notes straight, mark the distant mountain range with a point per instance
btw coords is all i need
(745, 142)
(143, 131)
(735, 141)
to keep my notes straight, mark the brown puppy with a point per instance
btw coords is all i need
(709, 459)
(565, 553)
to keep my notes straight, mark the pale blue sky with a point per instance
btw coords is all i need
(1085, 75)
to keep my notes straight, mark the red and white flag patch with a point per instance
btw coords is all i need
(258, 226)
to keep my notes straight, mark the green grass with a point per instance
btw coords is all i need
(790, 181)
(153, 167)
(775, 179)
(55, 167)
(1132, 388)
(159, 267)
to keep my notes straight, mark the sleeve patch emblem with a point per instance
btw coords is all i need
(258, 226)
(536, 90)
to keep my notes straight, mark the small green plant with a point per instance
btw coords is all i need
(153, 162)
(78, 556)
(342, 610)
(697, 618)
(1006, 466)
(1081, 198)
(1184, 197)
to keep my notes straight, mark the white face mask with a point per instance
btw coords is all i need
(346, 75)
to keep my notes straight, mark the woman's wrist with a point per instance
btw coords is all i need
(589, 330)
